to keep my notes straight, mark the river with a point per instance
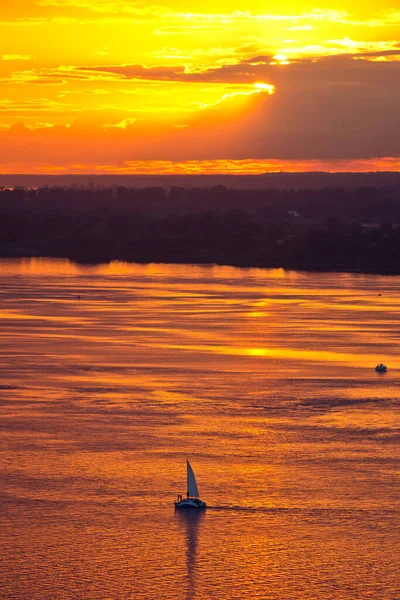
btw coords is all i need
(113, 375)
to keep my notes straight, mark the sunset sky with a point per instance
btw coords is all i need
(108, 86)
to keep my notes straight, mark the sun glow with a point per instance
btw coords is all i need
(206, 167)
(265, 87)
(280, 59)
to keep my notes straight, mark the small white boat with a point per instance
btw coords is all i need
(381, 368)
(192, 499)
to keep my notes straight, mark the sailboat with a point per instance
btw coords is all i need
(192, 499)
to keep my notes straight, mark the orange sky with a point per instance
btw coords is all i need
(116, 86)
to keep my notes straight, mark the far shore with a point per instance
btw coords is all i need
(329, 229)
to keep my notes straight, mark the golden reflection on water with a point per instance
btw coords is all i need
(112, 375)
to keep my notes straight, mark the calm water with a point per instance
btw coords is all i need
(264, 379)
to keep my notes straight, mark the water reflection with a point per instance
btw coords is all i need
(190, 521)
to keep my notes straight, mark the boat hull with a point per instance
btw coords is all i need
(190, 503)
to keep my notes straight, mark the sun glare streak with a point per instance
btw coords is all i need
(258, 88)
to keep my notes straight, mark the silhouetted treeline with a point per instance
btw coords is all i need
(350, 230)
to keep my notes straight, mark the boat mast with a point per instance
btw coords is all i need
(187, 478)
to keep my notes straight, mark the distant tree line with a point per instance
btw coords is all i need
(326, 229)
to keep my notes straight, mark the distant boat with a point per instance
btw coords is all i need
(192, 499)
(381, 368)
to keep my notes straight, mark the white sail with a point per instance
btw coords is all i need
(191, 482)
